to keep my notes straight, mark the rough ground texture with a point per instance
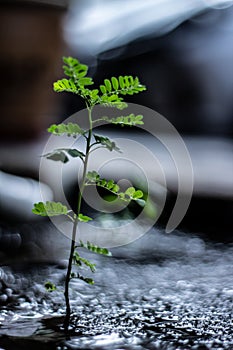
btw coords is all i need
(161, 292)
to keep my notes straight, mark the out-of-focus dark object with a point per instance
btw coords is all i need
(31, 46)
(188, 73)
(182, 51)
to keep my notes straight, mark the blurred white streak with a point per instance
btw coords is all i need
(96, 26)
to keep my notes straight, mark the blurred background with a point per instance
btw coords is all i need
(182, 51)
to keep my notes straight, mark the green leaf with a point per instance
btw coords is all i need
(84, 218)
(50, 287)
(126, 81)
(130, 191)
(106, 102)
(57, 155)
(134, 195)
(86, 279)
(73, 68)
(49, 209)
(115, 83)
(110, 184)
(85, 81)
(92, 176)
(131, 85)
(94, 94)
(121, 82)
(79, 261)
(103, 89)
(137, 194)
(106, 142)
(129, 120)
(108, 85)
(121, 195)
(110, 89)
(70, 129)
(137, 119)
(112, 100)
(125, 85)
(102, 182)
(61, 154)
(65, 85)
(95, 249)
(73, 152)
(115, 188)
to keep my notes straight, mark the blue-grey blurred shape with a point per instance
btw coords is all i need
(97, 26)
(18, 194)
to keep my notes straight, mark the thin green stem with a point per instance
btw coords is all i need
(75, 225)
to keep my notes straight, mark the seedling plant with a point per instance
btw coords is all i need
(110, 94)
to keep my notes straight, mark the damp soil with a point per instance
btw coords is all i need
(161, 292)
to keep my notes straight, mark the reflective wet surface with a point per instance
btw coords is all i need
(164, 291)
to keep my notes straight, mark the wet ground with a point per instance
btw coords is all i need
(164, 291)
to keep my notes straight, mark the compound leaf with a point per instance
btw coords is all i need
(128, 120)
(106, 142)
(94, 178)
(124, 85)
(79, 261)
(61, 154)
(112, 100)
(49, 209)
(134, 195)
(65, 85)
(73, 68)
(95, 249)
(85, 81)
(70, 129)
